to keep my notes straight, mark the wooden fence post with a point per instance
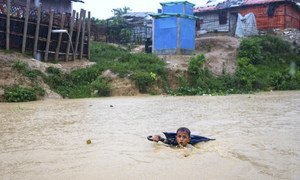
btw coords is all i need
(49, 35)
(78, 31)
(25, 26)
(82, 34)
(89, 35)
(7, 24)
(37, 32)
(71, 35)
(62, 22)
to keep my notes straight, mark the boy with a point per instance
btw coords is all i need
(183, 137)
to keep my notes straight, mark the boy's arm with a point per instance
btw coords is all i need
(157, 138)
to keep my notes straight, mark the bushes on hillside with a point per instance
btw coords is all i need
(264, 63)
(22, 94)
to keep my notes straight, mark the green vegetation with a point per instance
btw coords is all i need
(77, 84)
(23, 68)
(22, 94)
(264, 63)
(144, 69)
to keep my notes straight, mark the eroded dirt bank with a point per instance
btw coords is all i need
(220, 52)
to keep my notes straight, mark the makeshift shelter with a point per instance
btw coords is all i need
(246, 25)
(174, 29)
(59, 6)
(140, 24)
(269, 14)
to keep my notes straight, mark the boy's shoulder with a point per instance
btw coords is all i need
(171, 142)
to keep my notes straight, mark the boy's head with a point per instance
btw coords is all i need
(183, 136)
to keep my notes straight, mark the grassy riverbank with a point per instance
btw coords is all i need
(263, 63)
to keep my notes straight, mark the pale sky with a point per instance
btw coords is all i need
(102, 8)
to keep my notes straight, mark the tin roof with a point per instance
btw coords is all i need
(176, 2)
(173, 15)
(225, 4)
(137, 14)
(248, 2)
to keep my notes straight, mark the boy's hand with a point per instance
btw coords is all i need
(156, 138)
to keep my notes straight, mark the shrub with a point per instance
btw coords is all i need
(103, 88)
(19, 94)
(246, 74)
(143, 80)
(196, 64)
(53, 70)
(19, 66)
(32, 74)
(84, 76)
(251, 49)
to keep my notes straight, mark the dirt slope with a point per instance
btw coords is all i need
(220, 52)
(10, 76)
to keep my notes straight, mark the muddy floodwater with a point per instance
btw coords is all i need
(257, 137)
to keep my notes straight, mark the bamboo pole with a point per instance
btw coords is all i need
(78, 32)
(37, 32)
(153, 34)
(71, 35)
(62, 22)
(77, 17)
(89, 35)
(25, 26)
(178, 49)
(7, 24)
(82, 34)
(49, 35)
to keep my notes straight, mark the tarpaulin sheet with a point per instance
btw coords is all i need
(246, 25)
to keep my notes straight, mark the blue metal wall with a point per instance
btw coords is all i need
(177, 8)
(173, 9)
(187, 33)
(167, 30)
(165, 33)
(189, 10)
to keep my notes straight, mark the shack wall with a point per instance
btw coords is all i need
(210, 23)
(187, 34)
(165, 33)
(263, 21)
(57, 5)
(292, 18)
(178, 8)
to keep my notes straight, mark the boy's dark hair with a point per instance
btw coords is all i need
(184, 129)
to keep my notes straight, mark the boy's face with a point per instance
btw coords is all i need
(182, 138)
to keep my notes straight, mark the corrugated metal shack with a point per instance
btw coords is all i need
(141, 25)
(269, 14)
(174, 29)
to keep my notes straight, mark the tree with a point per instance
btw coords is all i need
(118, 12)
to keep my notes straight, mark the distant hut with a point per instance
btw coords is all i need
(141, 25)
(269, 14)
(58, 6)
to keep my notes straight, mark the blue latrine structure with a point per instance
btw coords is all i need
(174, 29)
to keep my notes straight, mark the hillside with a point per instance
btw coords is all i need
(229, 65)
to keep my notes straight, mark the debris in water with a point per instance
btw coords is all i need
(88, 141)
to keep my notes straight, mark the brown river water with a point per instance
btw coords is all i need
(257, 137)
